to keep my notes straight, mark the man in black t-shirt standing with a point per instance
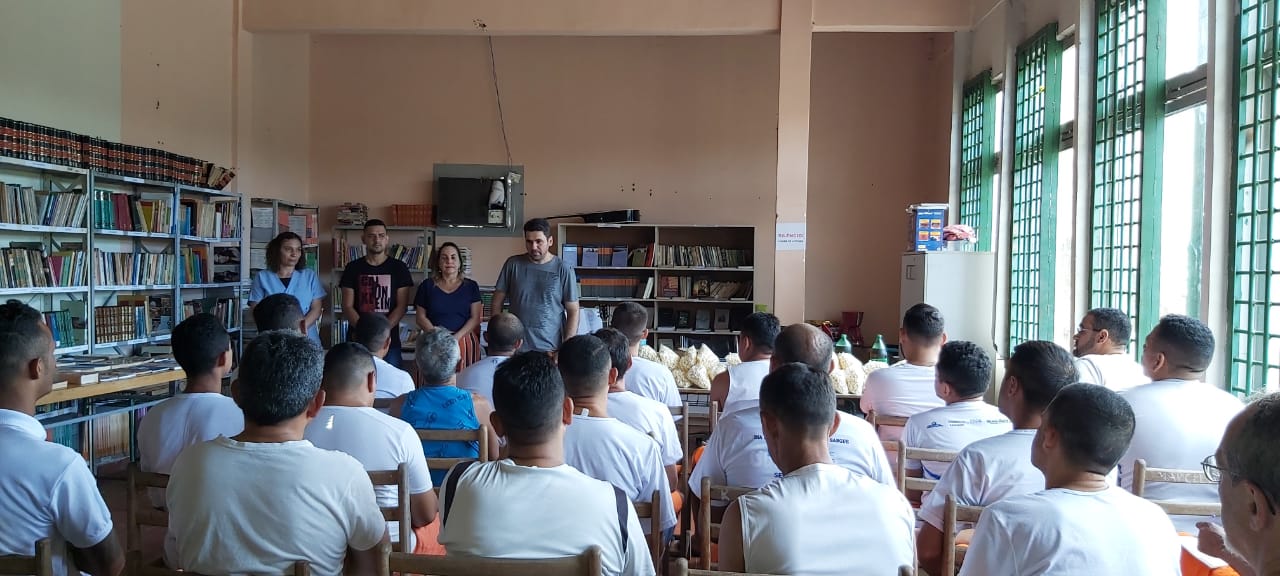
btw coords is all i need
(378, 284)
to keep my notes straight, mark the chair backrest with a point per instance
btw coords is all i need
(652, 511)
(682, 569)
(480, 435)
(953, 514)
(686, 466)
(38, 564)
(400, 512)
(878, 420)
(588, 563)
(713, 417)
(140, 512)
(1142, 474)
(139, 568)
(708, 531)
(924, 455)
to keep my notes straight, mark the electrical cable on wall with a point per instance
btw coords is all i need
(497, 93)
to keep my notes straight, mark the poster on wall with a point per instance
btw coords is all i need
(791, 236)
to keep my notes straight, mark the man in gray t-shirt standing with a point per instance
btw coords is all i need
(543, 290)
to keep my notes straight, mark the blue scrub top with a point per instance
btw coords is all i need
(304, 285)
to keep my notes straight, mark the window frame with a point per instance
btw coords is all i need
(977, 157)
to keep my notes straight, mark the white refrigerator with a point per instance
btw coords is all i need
(961, 285)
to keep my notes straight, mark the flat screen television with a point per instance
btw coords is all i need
(463, 202)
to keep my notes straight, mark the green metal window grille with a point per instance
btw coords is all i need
(1255, 326)
(1033, 218)
(1125, 225)
(977, 150)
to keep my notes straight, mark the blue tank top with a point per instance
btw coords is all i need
(442, 408)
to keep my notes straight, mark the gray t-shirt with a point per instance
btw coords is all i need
(537, 293)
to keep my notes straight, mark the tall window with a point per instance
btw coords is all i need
(1033, 219)
(977, 150)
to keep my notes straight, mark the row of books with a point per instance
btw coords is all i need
(615, 287)
(264, 219)
(597, 256)
(213, 219)
(120, 211)
(24, 265)
(132, 268)
(194, 265)
(64, 333)
(703, 319)
(701, 287)
(415, 257)
(700, 256)
(226, 309)
(124, 321)
(28, 206)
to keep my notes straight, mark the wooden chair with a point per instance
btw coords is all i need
(480, 435)
(878, 420)
(707, 531)
(894, 447)
(39, 564)
(400, 512)
(140, 512)
(1142, 474)
(924, 455)
(652, 511)
(682, 569)
(686, 467)
(952, 515)
(588, 563)
(134, 559)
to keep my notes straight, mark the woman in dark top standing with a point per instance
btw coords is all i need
(450, 301)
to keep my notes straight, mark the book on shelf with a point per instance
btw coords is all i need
(721, 323)
(704, 288)
(682, 320)
(666, 319)
(610, 286)
(28, 206)
(646, 291)
(257, 258)
(160, 309)
(64, 334)
(226, 310)
(668, 342)
(194, 264)
(133, 268)
(262, 217)
(670, 287)
(702, 320)
(641, 257)
(121, 211)
(226, 264)
(569, 253)
(304, 225)
(701, 287)
(217, 218)
(702, 257)
(619, 255)
(23, 265)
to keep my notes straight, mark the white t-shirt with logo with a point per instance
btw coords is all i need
(392, 382)
(823, 519)
(900, 390)
(651, 417)
(1069, 533)
(952, 427)
(744, 383)
(46, 491)
(504, 510)
(378, 442)
(606, 449)
(256, 508)
(478, 377)
(1117, 372)
(654, 381)
(1177, 424)
(986, 472)
(186, 419)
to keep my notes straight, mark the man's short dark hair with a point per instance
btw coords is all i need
(21, 339)
(371, 331)
(1115, 322)
(528, 396)
(346, 365)
(198, 342)
(631, 319)
(584, 365)
(761, 330)
(1094, 425)
(370, 223)
(277, 312)
(619, 349)
(538, 225)
(804, 344)
(280, 373)
(923, 324)
(966, 367)
(1187, 342)
(504, 332)
(801, 398)
(1042, 369)
(1251, 454)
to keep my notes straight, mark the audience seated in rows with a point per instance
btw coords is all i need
(907, 388)
(602, 447)
(348, 423)
(648, 416)
(373, 331)
(646, 377)
(1101, 347)
(818, 518)
(1246, 466)
(1079, 524)
(995, 468)
(266, 498)
(505, 335)
(741, 383)
(963, 375)
(1180, 418)
(46, 490)
(532, 504)
(440, 405)
(279, 312)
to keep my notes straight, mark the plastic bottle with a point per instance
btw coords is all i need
(843, 345)
(878, 350)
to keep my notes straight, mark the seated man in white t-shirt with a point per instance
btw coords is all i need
(1246, 468)
(1180, 417)
(964, 372)
(532, 504)
(373, 331)
(755, 347)
(602, 447)
(998, 467)
(200, 413)
(648, 416)
(907, 388)
(279, 312)
(646, 377)
(505, 335)
(1101, 347)
(818, 518)
(258, 502)
(1080, 524)
(46, 490)
(348, 423)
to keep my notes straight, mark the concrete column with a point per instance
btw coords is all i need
(795, 48)
(962, 49)
(1215, 276)
(1086, 112)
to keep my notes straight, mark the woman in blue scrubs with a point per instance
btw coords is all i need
(287, 272)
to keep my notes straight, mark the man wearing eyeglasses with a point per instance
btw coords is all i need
(1180, 418)
(1246, 469)
(1101, 348)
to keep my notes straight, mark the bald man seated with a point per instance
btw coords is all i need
(505, 335)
